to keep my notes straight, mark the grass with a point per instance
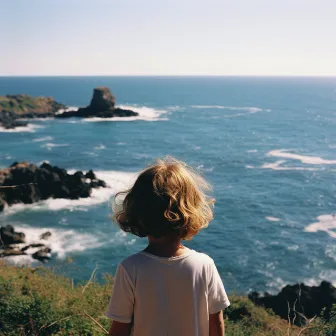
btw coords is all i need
(21, 104)
(35, 301)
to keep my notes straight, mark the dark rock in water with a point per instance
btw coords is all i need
(2, 204)
(45, 235)
(308, 301)
(102, 105)
(9, 236)
(42, 255)
(90, 175)
(102, 99)
(27, 183)
(31, 246)
(10, 252)
(9, 120)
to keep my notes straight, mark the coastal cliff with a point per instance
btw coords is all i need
(36, 299)
(15, 107)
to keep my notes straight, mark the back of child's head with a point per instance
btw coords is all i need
(167, 198)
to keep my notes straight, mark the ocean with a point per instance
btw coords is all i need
(267, 145)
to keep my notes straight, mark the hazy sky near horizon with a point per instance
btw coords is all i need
(168, 37)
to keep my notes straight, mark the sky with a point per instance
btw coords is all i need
(168, 37)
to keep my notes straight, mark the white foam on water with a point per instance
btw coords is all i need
(326, 223)
(330, 251)
(272, 219)
(116, 181)
(47, 138)
(277, 166)
(49, 146)
(292, 247)
(232, 108)
(252, 151)
(61, 242)
(247, 110)
(314, 160)
(100, 147)
(44, 161)
(145, 113)
(327, 275)
(31, 128)
(68, 109)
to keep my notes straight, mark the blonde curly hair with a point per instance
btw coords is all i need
(167, 198)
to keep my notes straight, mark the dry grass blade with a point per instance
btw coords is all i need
(60, 320)
(90, 280)
(96, 322)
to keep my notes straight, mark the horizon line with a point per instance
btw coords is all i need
(172, 75)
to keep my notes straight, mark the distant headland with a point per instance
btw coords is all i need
(14, 108)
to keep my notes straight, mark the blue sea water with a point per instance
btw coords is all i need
(267, 145)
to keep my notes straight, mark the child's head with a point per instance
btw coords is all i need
(167, 198)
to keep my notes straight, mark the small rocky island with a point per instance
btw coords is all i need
(26, 183)
(14, 108)
(102, 105)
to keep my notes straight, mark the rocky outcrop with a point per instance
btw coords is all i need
(11, 241)
(14, 107)
(26, 183)
(9, 236)
(303, 301)
(10, 120)
(27, 106)
(102, 105)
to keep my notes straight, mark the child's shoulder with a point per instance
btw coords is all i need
(192, 256)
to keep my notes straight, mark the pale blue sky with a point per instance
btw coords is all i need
(168, 37)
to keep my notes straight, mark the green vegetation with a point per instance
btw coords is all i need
(21, 104)
(35, 301)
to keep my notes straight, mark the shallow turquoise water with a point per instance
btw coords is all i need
(268, 146)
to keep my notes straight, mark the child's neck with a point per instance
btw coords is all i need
(167, 246)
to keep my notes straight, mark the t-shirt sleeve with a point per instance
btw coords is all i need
(122, 300)
(217, 297)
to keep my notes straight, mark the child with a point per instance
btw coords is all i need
(167, 289)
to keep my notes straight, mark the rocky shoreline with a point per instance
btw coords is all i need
(14, 108)
(11, 243)
(26, 183)
(298, 303)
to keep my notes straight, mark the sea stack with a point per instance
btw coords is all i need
(102, 105)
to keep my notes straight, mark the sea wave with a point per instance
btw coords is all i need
(116, 180)
(31, 128)
(325, 223)
(277, 166)
(272, 219)
(314, 160)
(47, 138)
(61, 242)
(50, 145)
(248, 109)
(68, 109)
(145, 114)
(100, 147)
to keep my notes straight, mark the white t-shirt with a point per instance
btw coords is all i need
(167, 296)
